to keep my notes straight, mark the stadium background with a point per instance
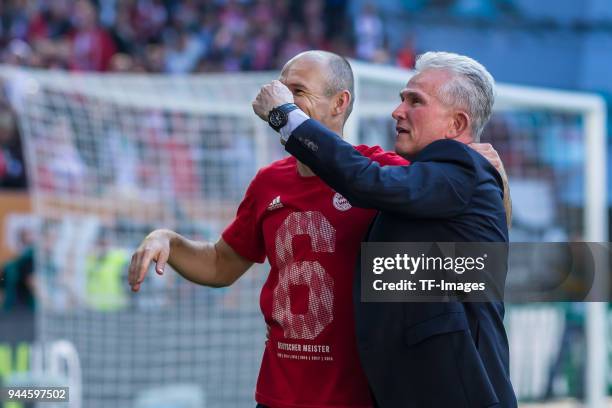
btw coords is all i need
(154, 131)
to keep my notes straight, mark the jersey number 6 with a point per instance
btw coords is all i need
(319, 314)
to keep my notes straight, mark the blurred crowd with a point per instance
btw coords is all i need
(186, 36)
(177, 37)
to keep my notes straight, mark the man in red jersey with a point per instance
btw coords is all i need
(310, 235)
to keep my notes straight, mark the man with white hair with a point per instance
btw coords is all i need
(420, 354)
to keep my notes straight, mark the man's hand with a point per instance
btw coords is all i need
(155, 247)
(269, 97)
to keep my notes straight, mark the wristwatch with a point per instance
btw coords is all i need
(278, 117)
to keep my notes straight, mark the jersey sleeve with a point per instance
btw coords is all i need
(245, 234)
(384, 158)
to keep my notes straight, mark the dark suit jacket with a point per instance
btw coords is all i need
(426, 355)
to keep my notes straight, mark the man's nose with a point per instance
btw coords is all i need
(399, 113)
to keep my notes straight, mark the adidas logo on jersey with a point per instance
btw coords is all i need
(275, 204)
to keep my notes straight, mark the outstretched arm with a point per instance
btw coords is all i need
(436, 187)
(204, 263)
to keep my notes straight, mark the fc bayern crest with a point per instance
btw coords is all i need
(341, 203)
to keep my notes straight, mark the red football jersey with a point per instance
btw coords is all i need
(311, 236)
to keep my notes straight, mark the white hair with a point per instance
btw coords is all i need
(471, 87)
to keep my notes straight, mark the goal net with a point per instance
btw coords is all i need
(112, 156)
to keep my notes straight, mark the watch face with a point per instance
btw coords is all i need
(277, 118)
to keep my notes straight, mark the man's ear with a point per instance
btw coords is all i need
(459, 125)
(342, 102)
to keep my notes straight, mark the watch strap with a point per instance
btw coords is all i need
(284, 109)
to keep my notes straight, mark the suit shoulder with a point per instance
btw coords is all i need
(446, 150)
(460, 154)
(485, 166)
(482, 166)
